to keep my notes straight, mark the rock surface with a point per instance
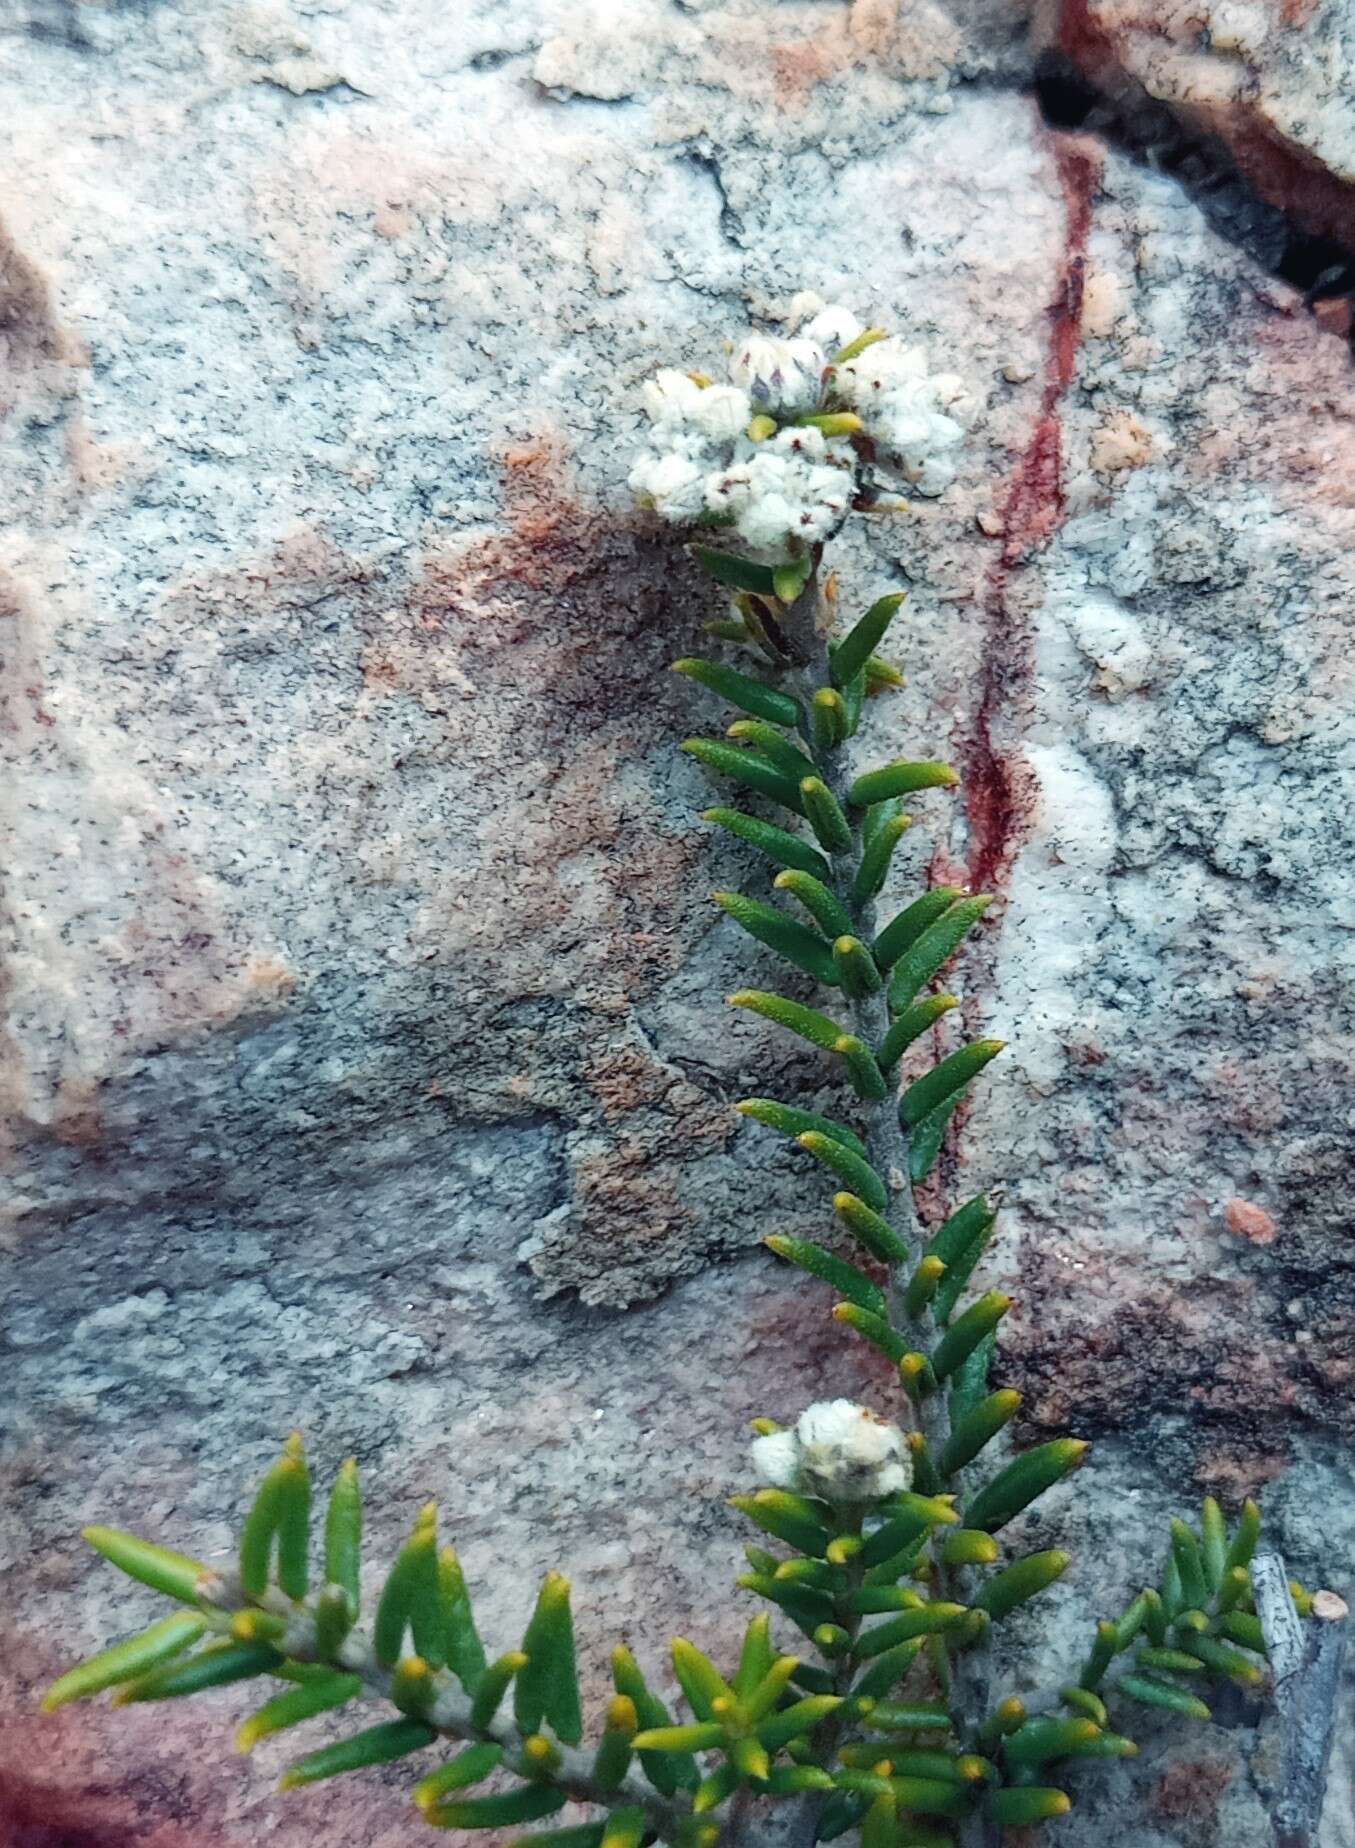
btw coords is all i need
(366, 1068)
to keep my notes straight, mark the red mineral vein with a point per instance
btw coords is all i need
(997, 784)
(999, 789)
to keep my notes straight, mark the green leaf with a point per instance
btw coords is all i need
(885, 1673)
(738, 573)
(845, 1278)
(579, 1835)
(702, 1736)
(787, 1517)
(529, 1803)
(699, 1679)
(853, 652)
(1015, 1487)
(281, 1513)
(910, 1517)
(1045, 1737)
(855, 1173)
(929, 1621)
(921, 1286)
(830, 722)
(174, 1574)
(903, 931)
(493, 1685)
(792, 1121)
(612, 1759)
(874, 1328)
(790, 579)
(768, 1690)
(625, 1828)
(947, 1080)
(1022, 1580)
(824, 906)
(741, 690)
(882, 676)
(124, 1661)
(969, 1546)
(855, 967)
(970, 1384)
(875, 858)
(978, 1427)
(956, 1236)
(866, 1078)
(1029, 1803)
(548, 1685)
(665, 1771)
(1214, 1542)
(924, 1145)
(817, 1028)
(915, 966)
(297, 1704)
(964, 1335)
(1150, 1692)
(774, 745)
(899, 779)
(874, 1232)
(768, 925)
(214, 1667)
(1244, 1540)
(343, 1535)
(756, 1656)
(1189, 1566)
(378, 1745)
(909, 1716)
(464, 1650)
(410, 1599)
(958, 1274)
(712, 1791)
(778, 844)
(1226, 1661)
(825, 815)
(750, 768)
(910, 1025)
(468, 1767)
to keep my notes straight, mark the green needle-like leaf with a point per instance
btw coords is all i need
(1243, 1543)
(528, 1803)
(750, 768)
(774, 745)
(379, 1745)
(916, 963)
(467, 1768)
(625, 1828)
(899, 779)
(666, 1771)
(852, 654)
(874, 1328)
(1023, 1480)
(125, 1661)
(824, 906)
(297, 1704)
(410, 1599)
(786, 1517)
(864, 1073)
(343, 1534)
(855, 1173)
(1151, 1692)
(874, 1232)
(845, 1278)
(794, 1122)
(924, 1143)
(825, 815)
(778, 844)
(741, 690)
(903, 931)
(493, 1685)
(214, 1667)
(174, 1574)
(978, 1427)
(1020, 1806)
(855, 968)
(806, 1021)
(281, 1514)
(738, 573)
(547, 1687)
(830, 722)
(875, 859)
(782, 934)
(947, 1080)
(612, 1759)
(1022, 1580)
(910, 1025)
(964, 1334)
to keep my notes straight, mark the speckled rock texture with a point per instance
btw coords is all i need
(365, 1067)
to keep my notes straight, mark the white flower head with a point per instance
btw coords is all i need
(734, 454)
(778, 375)
(838, 1450)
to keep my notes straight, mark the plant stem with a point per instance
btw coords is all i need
(449, 1712)
(887, 1145)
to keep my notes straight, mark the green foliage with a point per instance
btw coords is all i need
(872, 1719)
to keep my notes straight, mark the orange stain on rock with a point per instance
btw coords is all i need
(1250, 1221)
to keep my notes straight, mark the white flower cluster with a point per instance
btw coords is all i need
(734, 456)
(794, 484)
(838, 1450)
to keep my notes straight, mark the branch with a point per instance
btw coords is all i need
(1306, 1662)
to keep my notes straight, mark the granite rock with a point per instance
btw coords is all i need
(365, 1063)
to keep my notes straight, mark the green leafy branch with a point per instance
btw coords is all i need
(883, 1719)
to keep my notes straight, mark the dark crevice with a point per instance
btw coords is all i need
(1152, 134)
